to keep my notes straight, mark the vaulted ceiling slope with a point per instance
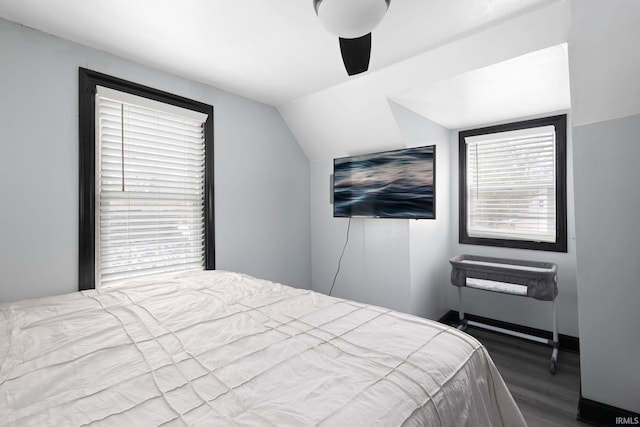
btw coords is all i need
(277, 52)
(483, 77)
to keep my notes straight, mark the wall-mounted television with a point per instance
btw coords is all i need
(390, 184)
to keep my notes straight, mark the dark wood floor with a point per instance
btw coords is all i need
(545, 400)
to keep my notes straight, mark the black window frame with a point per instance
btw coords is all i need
(88, 82)
(560, 245)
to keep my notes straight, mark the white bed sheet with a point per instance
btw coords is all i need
(214, 348)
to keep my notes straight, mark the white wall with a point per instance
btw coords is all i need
(607, 215)
(429, 240)
(514, 309)
(261, 174)
(603, 59)
(605, 98)
(396, 263)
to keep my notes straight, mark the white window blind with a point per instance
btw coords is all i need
(511, 185)
(150, 187)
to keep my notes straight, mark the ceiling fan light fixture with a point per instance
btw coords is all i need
(350, 19)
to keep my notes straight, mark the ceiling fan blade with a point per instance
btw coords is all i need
(356, 53)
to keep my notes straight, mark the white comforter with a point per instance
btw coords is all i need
(224, 349)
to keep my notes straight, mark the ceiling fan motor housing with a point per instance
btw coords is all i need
(352, 21)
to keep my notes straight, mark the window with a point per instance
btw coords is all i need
(513, 185)
(146, 181)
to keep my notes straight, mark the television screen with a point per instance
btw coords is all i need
(391, 184)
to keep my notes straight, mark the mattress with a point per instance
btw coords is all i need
(219, 348)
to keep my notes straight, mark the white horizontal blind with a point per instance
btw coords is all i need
(150, 188)
(511, 185)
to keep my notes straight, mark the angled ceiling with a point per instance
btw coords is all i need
(530, 84)
(442, 84)
(277, 52)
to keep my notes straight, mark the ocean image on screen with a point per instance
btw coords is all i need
(391, 184)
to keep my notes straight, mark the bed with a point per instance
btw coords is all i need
(216, 348)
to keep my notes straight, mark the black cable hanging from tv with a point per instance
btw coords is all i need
(341, 255)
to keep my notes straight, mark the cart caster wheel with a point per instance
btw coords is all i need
(552, 367)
